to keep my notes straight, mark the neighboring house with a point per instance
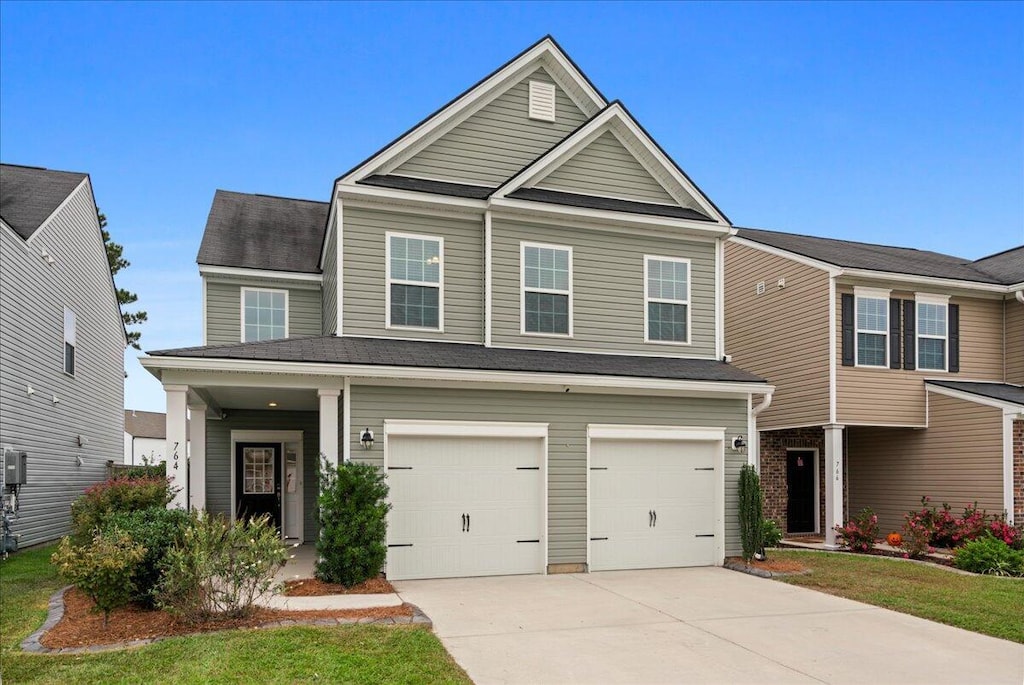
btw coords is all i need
(61, 344)
(145, 437)
(899, 374)
(515, 308)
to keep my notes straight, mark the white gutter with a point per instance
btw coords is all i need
(765, 403)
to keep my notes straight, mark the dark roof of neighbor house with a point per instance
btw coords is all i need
(29, 195)
(423, 185)
(1004, 392)
(442, 355)
(264, 232)
(145, 424)
(558, 197)
(1008, 265)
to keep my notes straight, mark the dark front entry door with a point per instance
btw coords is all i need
(800, 491)
(258, 474)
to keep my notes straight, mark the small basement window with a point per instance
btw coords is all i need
(542, 101)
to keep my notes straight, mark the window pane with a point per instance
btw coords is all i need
(415, 305)
(667, 280)
(547, 313)
(415, 259)
(264, 315)
(545, 267)
(871, 349)
(872, 314)
(931, 319)
(667, 321)
(69, 358)
(931, 354)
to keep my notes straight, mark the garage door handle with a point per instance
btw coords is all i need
(650, 518)
(463, 523)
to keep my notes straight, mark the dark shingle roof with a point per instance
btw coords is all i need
(438, 355)
(1004, 392)
(29, 195)
(422, 185)
(849, 254)
(1007, 266)
(264, 232)
(590, 202)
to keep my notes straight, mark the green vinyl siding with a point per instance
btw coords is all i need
(568, 416)
(329, 296)
(224, 302)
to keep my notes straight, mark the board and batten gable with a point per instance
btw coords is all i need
(329, 293)
(781, 334)
(43, 410)
(1013, 334)
(567, 416)
(858, 388)
(497, 141)
(365, 273)
(224, 305)
(607, 289)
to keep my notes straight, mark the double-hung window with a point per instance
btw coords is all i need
(932, 332)
(415, 281)
(547, 289)
(70, 340)
(667, 300)
(872, 327)
(264, 314)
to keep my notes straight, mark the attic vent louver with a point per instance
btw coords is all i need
(542, 101)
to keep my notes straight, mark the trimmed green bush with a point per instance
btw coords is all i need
(351, 548)
(102, 569)
(991, 556)
(772, 533)
(751, 516)
(142, 471)
(155, 529)
(90, 511)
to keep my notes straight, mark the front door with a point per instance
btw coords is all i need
(258, 486)
(800, 490)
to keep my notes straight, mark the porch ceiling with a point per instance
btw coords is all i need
(287, 399)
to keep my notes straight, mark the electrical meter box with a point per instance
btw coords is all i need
(15, 465)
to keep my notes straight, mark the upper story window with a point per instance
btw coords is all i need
(932, 332)
(415, 281)
(872, 327)
(667, 300)
(547, 289)
(70, 340)
(264, 314)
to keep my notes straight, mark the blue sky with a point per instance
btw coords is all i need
(893, 123)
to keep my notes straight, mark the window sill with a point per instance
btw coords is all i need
(535, 334)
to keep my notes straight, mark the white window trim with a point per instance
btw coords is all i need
(73, 342)
(870, 294)
(942, 301)
(648, 299)
(550, 291)
(388, 235)
(241, 306)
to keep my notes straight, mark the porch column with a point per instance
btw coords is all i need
(329, 423)
(833, 482)
(197, 456)
(177, 432)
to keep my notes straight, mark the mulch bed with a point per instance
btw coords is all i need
(937, 560)
(311, 587)
(772, 565)
(81, 627)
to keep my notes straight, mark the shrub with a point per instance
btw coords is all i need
(860, 532)
(989, 555)
(751, 517)
(351, 547)
(142, 471)
(219, 568)
(1011, 535)
(970, 526)
(155, 529)
(771, 534)
(917, 536)
(90, 511)
(103, 569)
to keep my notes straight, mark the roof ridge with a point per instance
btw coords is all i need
(998, 254)
(965, 261)
(274, 197)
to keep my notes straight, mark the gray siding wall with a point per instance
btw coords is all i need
(607, 168)
(219, 456)
(365, 273)
(330, 282)
(33, 295)
(567, 416)
(224, 307)
(498, 141)
(608, 289)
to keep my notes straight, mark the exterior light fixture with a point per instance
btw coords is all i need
(271, 404)
(739, 442)
(367, 439)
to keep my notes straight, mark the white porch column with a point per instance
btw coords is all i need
(329, 423)
(197, 456)
(177, 439)
(833, 482)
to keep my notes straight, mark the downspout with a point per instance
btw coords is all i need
(1020, 296)
(765, 403)
(754, 437)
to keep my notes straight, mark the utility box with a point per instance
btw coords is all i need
(15, 467)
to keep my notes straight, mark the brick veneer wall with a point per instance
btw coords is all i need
(773, 470)
(1018, 472)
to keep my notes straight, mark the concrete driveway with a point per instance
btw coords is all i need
(702, 625)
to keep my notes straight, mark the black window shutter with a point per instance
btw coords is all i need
(954, 338)
(909, 335)
(894, 333)
(849, 338)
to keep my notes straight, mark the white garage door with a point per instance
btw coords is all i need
(465, 505)
(655, 503)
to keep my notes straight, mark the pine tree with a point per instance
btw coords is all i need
(117, 262)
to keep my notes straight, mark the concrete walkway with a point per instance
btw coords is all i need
(701, 625)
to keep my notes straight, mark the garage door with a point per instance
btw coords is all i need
(655, 498)
(464, 504)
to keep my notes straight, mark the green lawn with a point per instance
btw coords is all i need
(345, 654)
(983, 604)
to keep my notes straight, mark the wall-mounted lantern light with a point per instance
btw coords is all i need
(366, 438)
(739, 442)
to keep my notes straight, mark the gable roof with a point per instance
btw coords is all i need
(30, 195)
(1007, 265)
(264, 232)
(883, 258)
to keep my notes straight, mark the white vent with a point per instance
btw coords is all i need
(542, 101)
(760, 288)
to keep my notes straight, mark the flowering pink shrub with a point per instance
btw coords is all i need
(860, 532)
(917, 535)
(952, 531)
(1001, 530)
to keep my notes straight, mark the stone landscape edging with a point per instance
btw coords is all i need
(33, 643)
(760, 572)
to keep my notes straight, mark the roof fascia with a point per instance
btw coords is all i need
(214, 270)
(930, 281)
(972, 397)
(59, 208)
(832, 269)
(327, 228)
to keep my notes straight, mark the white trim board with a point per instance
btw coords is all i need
(243, 272)
(479, 429)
